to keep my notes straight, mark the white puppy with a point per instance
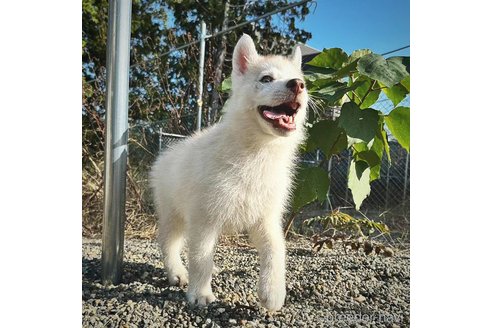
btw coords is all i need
(235, 176)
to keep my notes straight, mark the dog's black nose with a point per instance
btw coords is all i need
(296, 85)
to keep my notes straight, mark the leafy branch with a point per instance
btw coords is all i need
(353, 83)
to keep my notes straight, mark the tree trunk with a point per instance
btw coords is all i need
(218, 64)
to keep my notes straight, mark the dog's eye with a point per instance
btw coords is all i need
(266, 79)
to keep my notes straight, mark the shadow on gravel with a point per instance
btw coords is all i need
(140, 282)
(146, 283)
(302, 252)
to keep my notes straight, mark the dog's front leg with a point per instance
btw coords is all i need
(201, 252)
(269, 240)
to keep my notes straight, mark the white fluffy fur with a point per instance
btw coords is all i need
(234, 176)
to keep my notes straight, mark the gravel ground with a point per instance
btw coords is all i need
(335, 288)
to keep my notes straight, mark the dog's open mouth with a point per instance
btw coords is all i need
(281, 116)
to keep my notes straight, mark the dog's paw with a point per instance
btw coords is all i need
(272, 297)
(215, 270)
(201, 300)
(178, 278)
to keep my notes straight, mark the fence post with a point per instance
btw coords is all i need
(200, 77)
(406, 178)
(348, 173)
(117, 63)
(328, 205)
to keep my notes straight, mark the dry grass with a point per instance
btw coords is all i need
(140, 220)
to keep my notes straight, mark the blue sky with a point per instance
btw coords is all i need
(379, 25)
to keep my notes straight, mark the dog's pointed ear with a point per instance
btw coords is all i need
(297, 56)
(244, 53)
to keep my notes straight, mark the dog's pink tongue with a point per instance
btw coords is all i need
(272, 115)
(281, 120)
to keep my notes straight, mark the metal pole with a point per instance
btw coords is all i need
(160, 139)
(200, 78)
(117, 63)
(348, 173)
(406, 177)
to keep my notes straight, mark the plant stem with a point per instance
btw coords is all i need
(349, 84)
(368, 91)
(289, 224)
(355, 95)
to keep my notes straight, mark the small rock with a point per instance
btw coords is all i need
(360, 298)
(354, 293)
(388, 252)
(368, 247)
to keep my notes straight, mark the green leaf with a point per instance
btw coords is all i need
(375, 172)
(313, 79)
(370, 99)
(384, 137)
(360, 147)
(373, 158)
(226, 85)
(381, 139)
(320, 77)
(360, 124)
(378, 148)
(354, 141)
(406, 83)
(332, 58)
(328, 136)
(331, 88)
(388, 71)
(311, 183)
(360, 167)
(317, 81)
(372, 155)
(398, 122)
(310, 145)
(334, 91)
(313, 75)
(363, 93)
(401, 60)
(359, 182)
(396, 93)
(346, 70)
(324, 71)
(356, 54)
